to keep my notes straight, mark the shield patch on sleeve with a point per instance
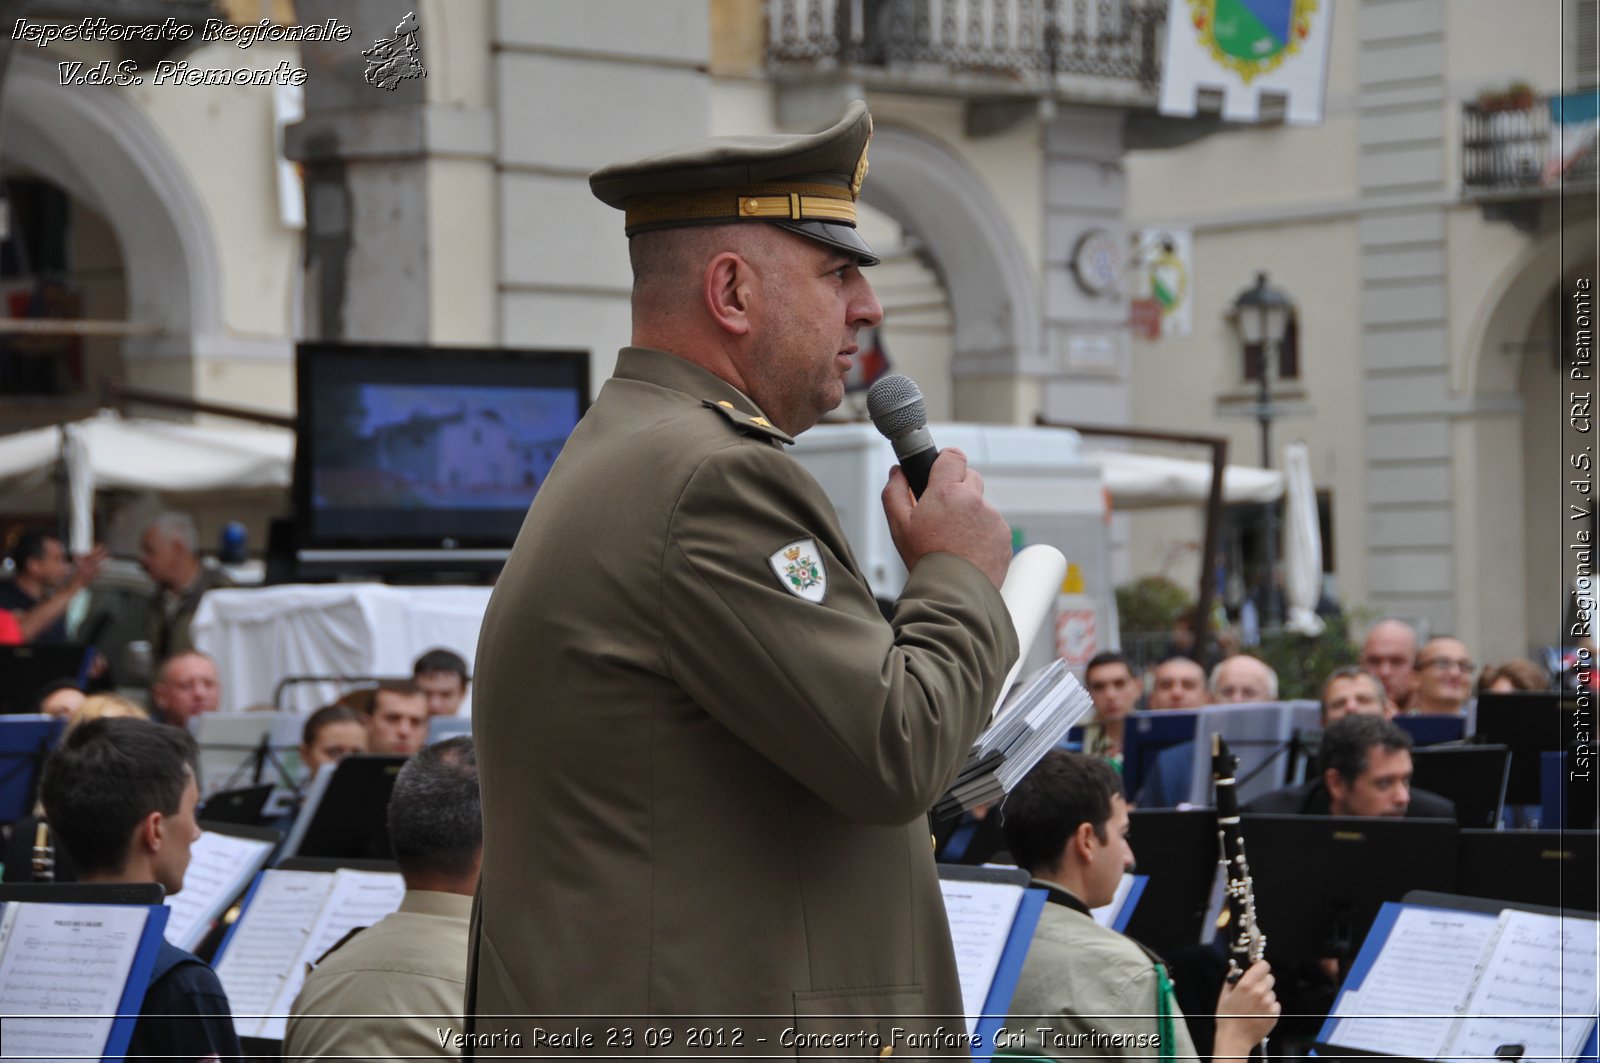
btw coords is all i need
(800, 570)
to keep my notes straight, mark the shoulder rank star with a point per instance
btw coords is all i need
(799, 569)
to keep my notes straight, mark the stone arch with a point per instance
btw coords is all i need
(102, 149)
(992, 288)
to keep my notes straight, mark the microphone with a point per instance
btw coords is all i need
(897, 410)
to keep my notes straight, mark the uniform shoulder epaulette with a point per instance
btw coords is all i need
(749, 423)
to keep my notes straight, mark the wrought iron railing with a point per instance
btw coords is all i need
(1026, 42)
(1524, 146)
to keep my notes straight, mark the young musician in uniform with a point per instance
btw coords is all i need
(1098, 993)
(120, 795)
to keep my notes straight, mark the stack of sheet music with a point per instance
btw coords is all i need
(1032, 720)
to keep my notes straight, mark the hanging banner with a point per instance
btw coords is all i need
(1247, 49)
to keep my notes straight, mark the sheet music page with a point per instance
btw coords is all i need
(1416, 988)
(1538, 989)
(266, 942)
(220, 866)
(65, 960)
(357, 898)
(1106, 914)
(980, 914)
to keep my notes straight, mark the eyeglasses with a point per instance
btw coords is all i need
(1446, 664)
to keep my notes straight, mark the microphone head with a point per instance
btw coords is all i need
(896, 406)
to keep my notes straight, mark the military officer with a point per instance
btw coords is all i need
(705, 756)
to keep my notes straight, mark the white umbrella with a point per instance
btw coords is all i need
(1145, 481)
(1302, 552)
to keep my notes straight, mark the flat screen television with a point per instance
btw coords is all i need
(421, 450)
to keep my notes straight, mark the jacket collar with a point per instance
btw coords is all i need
(667, 370)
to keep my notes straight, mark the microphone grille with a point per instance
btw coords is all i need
(895, 405)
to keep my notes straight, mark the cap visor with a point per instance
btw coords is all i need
(843, 237)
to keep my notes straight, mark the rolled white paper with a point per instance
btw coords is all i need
(1030, 588)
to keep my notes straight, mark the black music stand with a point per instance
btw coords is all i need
(1179, 851)
(1553, 868)
(26, 670)
(1529, 722)
(83, 892)
(242, 807)
(1320, 880)
(346, 811)
(1474, 777)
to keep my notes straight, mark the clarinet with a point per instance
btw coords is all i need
(44, 855)
(1245, 941)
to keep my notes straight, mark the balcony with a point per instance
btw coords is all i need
(1105, 51)
(1516, 152)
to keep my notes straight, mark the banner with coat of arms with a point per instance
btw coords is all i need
(1246, 49)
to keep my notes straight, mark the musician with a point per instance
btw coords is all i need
(120, 795)
(1102, 994)
(1366, 771)
(388, 991)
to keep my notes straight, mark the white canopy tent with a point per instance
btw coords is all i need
(1149, 481)
(109, 451)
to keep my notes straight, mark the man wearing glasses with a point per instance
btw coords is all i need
(1444, 678)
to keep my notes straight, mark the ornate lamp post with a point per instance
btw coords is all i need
(1261, 315)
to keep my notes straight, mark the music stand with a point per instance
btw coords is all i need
(83, 892)
(1474, 777)
(1432, 730)
(25, 742)
(1320, 880)
(1530, 722)
(26, 670)
(246, 748)
(346, 811)
(1179, 851)
(1567, 796)
(1145, 735)
(1545, 867)
(241, 807)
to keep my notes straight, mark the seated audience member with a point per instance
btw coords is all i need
(398, 722)
(60, 697)
(1180, 683)
(1236, 680)
(1067, 824)
(169, 552)
(393, 990)
(120, 795)
(1243, 680)
(331, 733)
(43, 584)
(1353, 690)
(1444, 678)
(1114, 689)
(1514, 675)
(1390, 653)
(1366, 771)
(186, 686)
(442, 677)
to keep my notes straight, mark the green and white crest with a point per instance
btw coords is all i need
(799, 568)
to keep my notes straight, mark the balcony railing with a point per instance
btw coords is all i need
(1510, 148)
(1025, 45)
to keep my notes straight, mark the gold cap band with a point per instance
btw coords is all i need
(760, 203)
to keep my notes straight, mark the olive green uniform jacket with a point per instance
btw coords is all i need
(703, 791)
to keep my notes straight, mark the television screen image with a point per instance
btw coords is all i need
(406, 447)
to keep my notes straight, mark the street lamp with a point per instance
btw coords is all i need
(1261, 314)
